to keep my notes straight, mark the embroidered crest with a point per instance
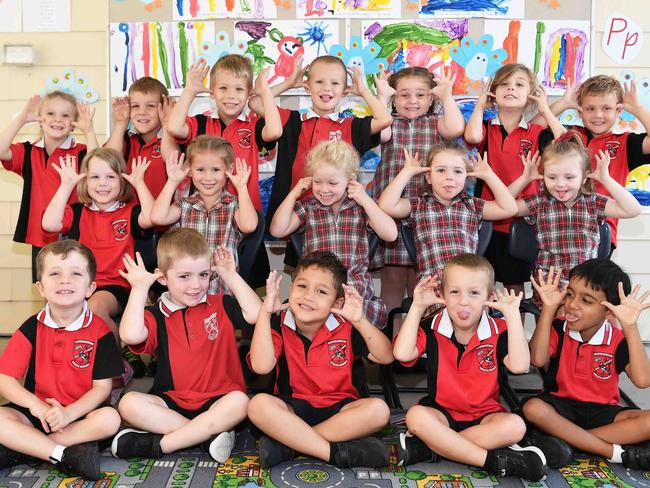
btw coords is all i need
(336, 135)
(525, 146)
(338, 349)
(155, 151)
(245, 138)
(82, 352)
(602, 365)
(612, 148)
(211, 326)
(120, 229)
(485, 358)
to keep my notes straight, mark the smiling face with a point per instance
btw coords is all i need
(208, 172)
(231, 94)
(144, 113)
(57, 115)
(512, 92)
(412, 97)
(447, 176)
(564, 176)
(103, 183)
(326, 86)
(65, 282)
(599, 112)
(582, 307)
(465, 291)
(329, 184)
(187, 279)
(312, 295)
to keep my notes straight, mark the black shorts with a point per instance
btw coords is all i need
(35, 421)
(120, 293)
(455, 425)
(587, 415)
(314, 415)
(188, 414)
(507, 270)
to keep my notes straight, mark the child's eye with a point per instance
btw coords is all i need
(440, 170)
(458, 171)
(321, 291)
(301, 286)
(54, 273)
(204, 274)
(77, 273)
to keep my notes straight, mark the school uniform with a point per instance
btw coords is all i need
(134, 146)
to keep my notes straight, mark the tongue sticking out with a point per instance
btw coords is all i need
(463, 315)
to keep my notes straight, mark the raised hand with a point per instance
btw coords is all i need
(272, 302)
(29, 113)
(85, 120)
(195, 76)
(352, 309)
(444, 85)
(57, 416)
(240, 178)
(548, 289)
(297, 75)
(531, 166)
(507, 302)
(384, 90)
(628, 311)
(486, 97)
(481, 169)
(262, 82)
(176, 168)
(138, 169)
(301, 187)
(601, 173)
(358, 81)
(67, 170)
(570, 97)
(412, 164)
(223, 261)
(357, 192)
(427, 292)
(121, 109)
(164, 109)
(136, 274)
(540, 97)
(631, 101)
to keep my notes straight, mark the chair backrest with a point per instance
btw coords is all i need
(605, 244)
(249, 247)
(298, 241)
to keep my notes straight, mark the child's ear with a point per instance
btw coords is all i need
(162, 280)
(40, 289)
(91, 289)
(427, 176)
(339, 302)
(619, 108)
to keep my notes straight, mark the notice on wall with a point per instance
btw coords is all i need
(46, 15)
(10, 15)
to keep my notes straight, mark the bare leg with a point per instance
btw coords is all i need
(629, 427)
(105, 305)
(355, 420)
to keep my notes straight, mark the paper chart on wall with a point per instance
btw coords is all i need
(307, 9)
(510, 9)
(279, 43)
(10, 11)
(163, 50)
(213, 9)
(46, 15)
(556, 50)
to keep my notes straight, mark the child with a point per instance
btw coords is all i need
(445, 220)
(417, 128)
(462, 418)
(199, 389)
(316, 345)
(506, 138)
(336, 217)
(326, 84)
(600, 100)
(58, 114)
(583, 356)
(566, 213)
(212, 211)
(67, 356)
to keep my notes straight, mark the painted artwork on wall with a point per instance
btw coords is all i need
(215, 9)
(163, 50)
(511, 9)
(556, 50)
(308, 9)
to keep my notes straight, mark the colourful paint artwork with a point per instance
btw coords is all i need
(627, 120)
(163, 50)
(215, 9)
(280, 43)
(478, 60)
(552, 4)
(210, 52)
(307, 9)
(511, 9)
(77, 85)
(365, 58)
(557, 52)
(425, 43)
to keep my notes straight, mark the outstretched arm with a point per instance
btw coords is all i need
(552, 296)
(390, 200)
(85, 124)
(622, 205)
(136, 179)
(163, 212)
(474, 127)
(503, 206)
(257, 105)
(272, 130)
(452, 123)
(121, 115)
(285, 221)
(28, 114)
(545, 111)
(177, 125)
(245, 214)
(518, 358)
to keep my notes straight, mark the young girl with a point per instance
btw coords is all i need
(212, 211)
(58, 114)
(414, 127)
(506, 138)
(566, 213)
(336, 217)
(445, 220)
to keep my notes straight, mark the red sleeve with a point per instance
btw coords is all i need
(66, 222)
(15, 164)
(192, 127)
(300, 211)
(277, 347)
(420, 345)
(149, 346)
(285, 113)
(552, 343)
(15, 359)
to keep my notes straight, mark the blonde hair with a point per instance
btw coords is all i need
(116, 162)
(180, 242)
(338, 154)
(449, 146)
(206, 143)
(147, 85)
(567, 145)
(474, 262)
(328, 59)
(238, 65)
(66, 97)
(600, 85)
(507, 70)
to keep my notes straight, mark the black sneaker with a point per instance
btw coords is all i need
(273, 452)
(411, 450)
(152, 367)
(130, 443)
(139, 368)
(220, 446)
(9, 457)
(81, 460)
(557, 452)
(369, 452)
(528, 463)
(636, 456)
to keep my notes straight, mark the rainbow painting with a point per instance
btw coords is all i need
(162, 50)
(370, 9)
(219, 9)
(556, 50)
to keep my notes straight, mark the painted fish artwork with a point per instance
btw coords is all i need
(218, 9)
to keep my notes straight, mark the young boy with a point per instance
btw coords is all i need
(462, 418)
(326, 84)
(198, 391)
(583, 356)
(67, 357)
(316, 345)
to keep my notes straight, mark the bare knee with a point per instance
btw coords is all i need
(378, 411)
(107, 422)
(130, 406)
(260, 406)
(534, 408)
(237, 402)
(419, 418)
(513, 427)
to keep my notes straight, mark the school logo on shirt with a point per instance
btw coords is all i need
(485, 358)
(525, 147)
(155, 151)
(336, 135)
(338, 349)
(82, 352)
(602, 365)
(245, 138)
(120, 229)
(211, 326)
(612, 148)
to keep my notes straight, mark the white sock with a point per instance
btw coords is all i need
(57, 454)
(617, 456)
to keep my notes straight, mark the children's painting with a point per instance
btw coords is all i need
(556, 50)
(307, 9)
(280, 43)
(510, 9)
(212, 9)
(425, 43)
(162, 50)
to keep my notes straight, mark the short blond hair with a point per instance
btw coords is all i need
(116, 162)
(328, 59)
(206, 143)
(67, 97)
(451, 147)
(474, 262)
(600, 85)
(339, 154)
(180, 242)
(238, 65)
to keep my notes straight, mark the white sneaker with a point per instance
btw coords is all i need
(221, 446)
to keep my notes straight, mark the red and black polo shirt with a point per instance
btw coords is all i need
(133, 146)
(61, 362)
(463, 379)
(323, 371)
(196, 349)
(41, 181)
(586, 371)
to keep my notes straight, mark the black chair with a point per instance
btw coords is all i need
(298, 242)
(249, 247)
